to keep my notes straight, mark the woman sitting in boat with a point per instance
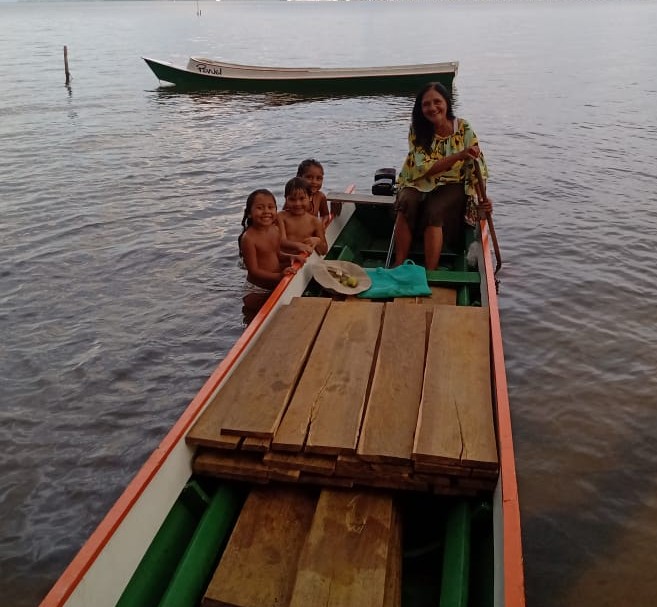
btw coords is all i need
(436, 182)
(260, 249)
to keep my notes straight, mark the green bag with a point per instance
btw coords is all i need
(406, 280)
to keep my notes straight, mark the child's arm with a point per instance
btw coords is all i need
(291, 245)
(291, 257)
(324, 212)
(318, 239)
(255, 272)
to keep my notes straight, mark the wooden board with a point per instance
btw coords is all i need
(345, 559)
(416, 434)
(392, 408)
(253, 399)
(259, 565)
(440, 296)
(328, 402)
(455, 423)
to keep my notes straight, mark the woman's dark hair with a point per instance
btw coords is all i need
(424, 130)
(306, 164)
(298, 183)
(246, 219)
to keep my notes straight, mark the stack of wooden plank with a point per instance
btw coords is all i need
(298, 549)
(358, 394)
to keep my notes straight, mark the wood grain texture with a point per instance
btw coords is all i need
(259, 565)
(327, 405)
(233, 393)
(345, 559)
(392, 408)
(455, 423)
(260, 388)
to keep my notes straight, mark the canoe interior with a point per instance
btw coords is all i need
(186, 80)
(447, 546)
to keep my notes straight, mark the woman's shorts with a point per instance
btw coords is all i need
(443, 207)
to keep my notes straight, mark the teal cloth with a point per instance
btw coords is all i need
(406, 280)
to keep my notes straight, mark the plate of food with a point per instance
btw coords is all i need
(342, 277)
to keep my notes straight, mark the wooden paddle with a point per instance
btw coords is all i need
(480, 186)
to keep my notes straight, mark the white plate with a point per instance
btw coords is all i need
(325, 278)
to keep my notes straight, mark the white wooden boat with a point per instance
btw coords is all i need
(163, 538)
(208, 73)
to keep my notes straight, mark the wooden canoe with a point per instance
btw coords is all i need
(228, 511)
(209, 74)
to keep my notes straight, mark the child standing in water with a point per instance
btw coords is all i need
(313, 172)
(301, 230)
(260, 246)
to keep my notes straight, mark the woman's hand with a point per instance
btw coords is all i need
(470, 152)
(485, 207)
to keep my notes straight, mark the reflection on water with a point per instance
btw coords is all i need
(218, 98)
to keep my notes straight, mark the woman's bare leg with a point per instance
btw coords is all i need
(433, 245)
(403, 239)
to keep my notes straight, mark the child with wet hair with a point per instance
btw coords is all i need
(313, 172)
(260, 244)
(301, 231)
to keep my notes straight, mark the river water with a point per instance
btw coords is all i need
(120, 205)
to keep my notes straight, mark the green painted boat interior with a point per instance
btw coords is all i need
(447, 541)
(447, 552)
(365, 240)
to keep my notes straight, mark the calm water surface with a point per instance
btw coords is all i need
(120, 205)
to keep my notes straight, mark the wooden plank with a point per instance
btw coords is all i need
(258, 567)
(345, 558)
(328, 402)
(396, 388)
(307, 462)
(326, 481)
(260, 388)
(440, 296)
(206, 430)
(353, 465)
(455, 423)
(251, 443)
(229, 464)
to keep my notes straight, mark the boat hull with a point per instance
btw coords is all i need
(207, 75)
(101, 573)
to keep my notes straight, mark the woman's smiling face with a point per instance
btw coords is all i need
(434, 107)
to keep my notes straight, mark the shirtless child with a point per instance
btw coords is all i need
(313, 172)
(301, 231)
(260, 245)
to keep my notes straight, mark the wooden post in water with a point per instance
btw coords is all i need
(68, 74)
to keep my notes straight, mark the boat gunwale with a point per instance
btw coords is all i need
(242, 71)
(514, 577)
